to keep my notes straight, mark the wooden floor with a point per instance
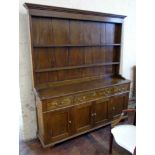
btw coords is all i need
(93, 143)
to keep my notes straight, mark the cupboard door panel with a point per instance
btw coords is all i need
(126, 99)
(100, 111)
(57, 125)
(117, 104)
(83, 118)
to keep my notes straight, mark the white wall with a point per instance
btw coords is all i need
(123, 7)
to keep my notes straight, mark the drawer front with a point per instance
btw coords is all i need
(121, 88)
(57, 103)
(90, 96)
(106, 92)
(85, 97)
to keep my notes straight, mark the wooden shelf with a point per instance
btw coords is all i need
(76, 67)
(73, 81)
(61, 46)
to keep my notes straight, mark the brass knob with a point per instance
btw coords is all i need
(93, 114)
(69, 122)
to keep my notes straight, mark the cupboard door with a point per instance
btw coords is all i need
(117, 104)
(126, 100)
(83, 117)
(100, 111)
(57, 125)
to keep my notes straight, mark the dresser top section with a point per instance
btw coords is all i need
(73, 50)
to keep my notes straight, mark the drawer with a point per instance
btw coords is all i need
(93, 95)
(57, 103)
(121, 88)
(106, 92)
(86, 97)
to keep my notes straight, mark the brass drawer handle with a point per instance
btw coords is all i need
(54, 103)
(84, 97)
(116, 90)
(65, 101)
(123, 88)
(62, 102)
(69, 122)
(80, 99)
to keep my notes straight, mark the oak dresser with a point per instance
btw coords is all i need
(75, 63)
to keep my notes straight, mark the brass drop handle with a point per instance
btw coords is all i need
(107, 90)
(69, 122)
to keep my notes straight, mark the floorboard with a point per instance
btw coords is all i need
(93, 143)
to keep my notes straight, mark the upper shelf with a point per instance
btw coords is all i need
(56, 46)
(76, 67)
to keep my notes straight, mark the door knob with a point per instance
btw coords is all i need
(93, 114)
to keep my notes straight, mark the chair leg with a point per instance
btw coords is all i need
(110, 143)
(134, 122)
(134, 151)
